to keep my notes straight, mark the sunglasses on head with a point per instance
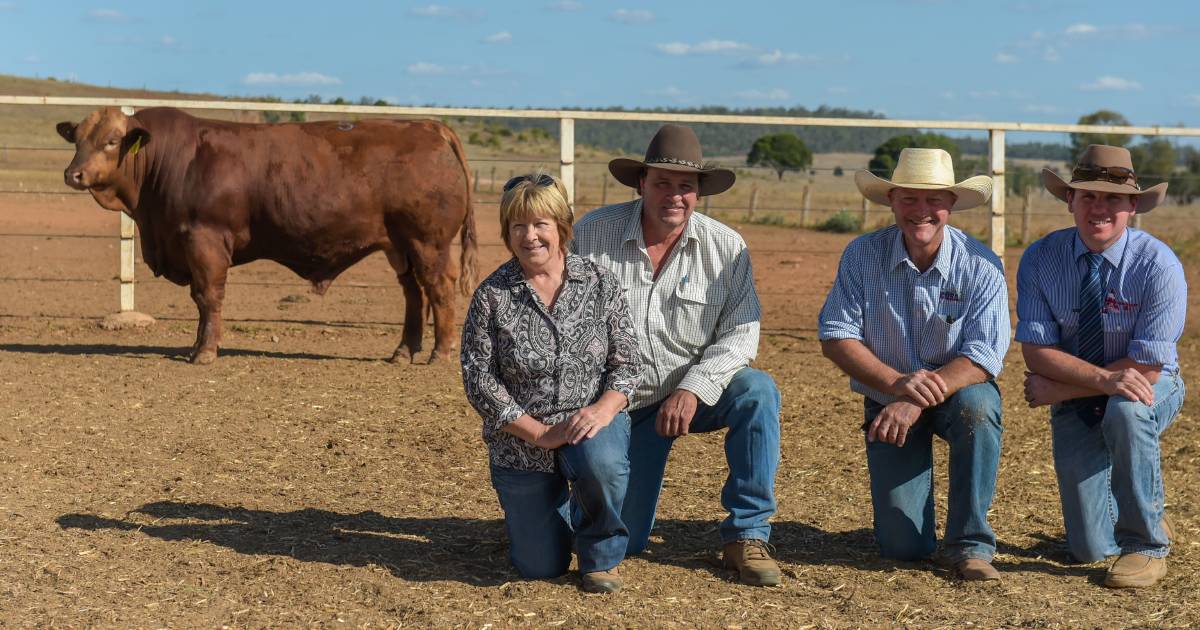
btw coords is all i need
(1113, 174)
(542, 180)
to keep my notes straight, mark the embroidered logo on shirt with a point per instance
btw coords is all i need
(1113, 305)
(950, 295)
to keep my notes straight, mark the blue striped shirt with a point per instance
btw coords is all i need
(1145, 296)
(912, 320)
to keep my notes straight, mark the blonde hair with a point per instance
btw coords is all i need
(532, 198)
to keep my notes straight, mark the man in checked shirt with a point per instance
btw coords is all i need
(918, 317)
(691, 294)
(1100, 307)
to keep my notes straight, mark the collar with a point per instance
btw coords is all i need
(941, 262)
(513, 276)
(1113, 254)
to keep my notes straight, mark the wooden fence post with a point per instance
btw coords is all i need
(604, 190)
(996, 160)
(753, 204)
(475, 184)
(866, 209)
(1025, 214)
(707, 200)
(492, 181)
(805, 208)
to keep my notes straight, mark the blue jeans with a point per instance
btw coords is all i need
(1110, 476)
(581, 503)
(749, 408)
(902, 478)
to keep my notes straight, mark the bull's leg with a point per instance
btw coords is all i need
(410, 340)
(208, 259)
(437, 275)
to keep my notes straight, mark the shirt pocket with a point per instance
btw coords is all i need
(1119, 320)
(940, 340)
(692, 316)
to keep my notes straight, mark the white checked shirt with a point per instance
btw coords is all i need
(698, 322)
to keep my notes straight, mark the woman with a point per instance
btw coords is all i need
(549, 360)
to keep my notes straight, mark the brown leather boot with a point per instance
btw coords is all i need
(1134, 570)
(976, 570)
(609, 581)
(752, 559)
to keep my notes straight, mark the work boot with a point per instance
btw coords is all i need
(976, 570)
(609, 581)
(752, 559)
(1133, 570)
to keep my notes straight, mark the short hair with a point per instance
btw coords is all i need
(527, 200)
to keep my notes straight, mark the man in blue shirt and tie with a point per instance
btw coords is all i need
(918, 317)
(1100, 307)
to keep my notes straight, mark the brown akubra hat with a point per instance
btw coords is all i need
(674, 148)
(1105, 168)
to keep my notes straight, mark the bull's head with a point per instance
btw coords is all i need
(102, 142)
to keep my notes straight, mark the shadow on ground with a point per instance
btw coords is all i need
(174, 354)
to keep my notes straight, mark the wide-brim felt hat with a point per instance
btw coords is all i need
(925, 169)
(1104, 156)
(674, 148)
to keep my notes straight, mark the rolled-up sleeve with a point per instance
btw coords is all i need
(623, 366)
(987, 330)
(481, 380)
(1035, 318)
(842, 315)
(735, 340)
(1160, 321)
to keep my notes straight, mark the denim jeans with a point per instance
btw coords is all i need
(1110, 476)
(902, 478)
(749, 408)
(545, 513)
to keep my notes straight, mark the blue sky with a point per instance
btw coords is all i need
(1023, 60)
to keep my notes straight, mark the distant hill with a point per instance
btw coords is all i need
(34, 125)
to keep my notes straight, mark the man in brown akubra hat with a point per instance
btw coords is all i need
(1100, 307)
(691, 294)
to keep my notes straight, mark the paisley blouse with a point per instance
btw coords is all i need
(520, 357)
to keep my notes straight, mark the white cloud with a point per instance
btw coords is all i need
(32, 59)
(8, 6)
(947, 95)
(1040, 109)
(633, 16)
(838, 89)
(777, 58)
(424, 67)
(670, 92)
(1081, 29)
(503, 37)
(166, 41)
(107, 15)
(1111, 83)
(1194, 99)
(1051, 55)
(704, 47)
(298, 78)
(566, 5)
(443, 12)
(1006, 58)
(777, 94)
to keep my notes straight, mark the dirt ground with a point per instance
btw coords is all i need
(303, 481)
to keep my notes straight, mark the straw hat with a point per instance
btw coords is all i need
(1091, 173)
(925, 169)
(674, 148)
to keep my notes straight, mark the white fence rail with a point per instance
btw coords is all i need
(996, 139)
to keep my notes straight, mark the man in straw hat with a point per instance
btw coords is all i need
(1100, 307)
(918, 318)
(691, 293)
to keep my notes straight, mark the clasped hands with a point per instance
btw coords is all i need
(583, 425)
(1126, 382)
(915, 392)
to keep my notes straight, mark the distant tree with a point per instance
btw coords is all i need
(1080, 141)
(1153, 161)
(1021, 181)
(837, 171)
(781, 152)
(1184, 184)
(883, 163)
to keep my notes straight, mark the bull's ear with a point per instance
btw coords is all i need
(66, 129)
(135, 140)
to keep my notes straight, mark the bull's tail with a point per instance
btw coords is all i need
(468, 265)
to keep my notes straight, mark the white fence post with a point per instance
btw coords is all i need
(996, 160)
(567, 158)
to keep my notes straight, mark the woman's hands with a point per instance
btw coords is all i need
(586, 423)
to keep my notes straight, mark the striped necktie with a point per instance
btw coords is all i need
(1090, 336)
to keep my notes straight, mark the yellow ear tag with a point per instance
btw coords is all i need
(136, 146)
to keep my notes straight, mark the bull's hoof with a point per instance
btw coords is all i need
(204, 357)
(401, 355)
(438, 357)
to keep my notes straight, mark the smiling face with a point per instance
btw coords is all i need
(668, 200)
(534, 241)
(1100, 216)
(921, 216)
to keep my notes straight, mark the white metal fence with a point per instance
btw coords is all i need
(996, 139)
